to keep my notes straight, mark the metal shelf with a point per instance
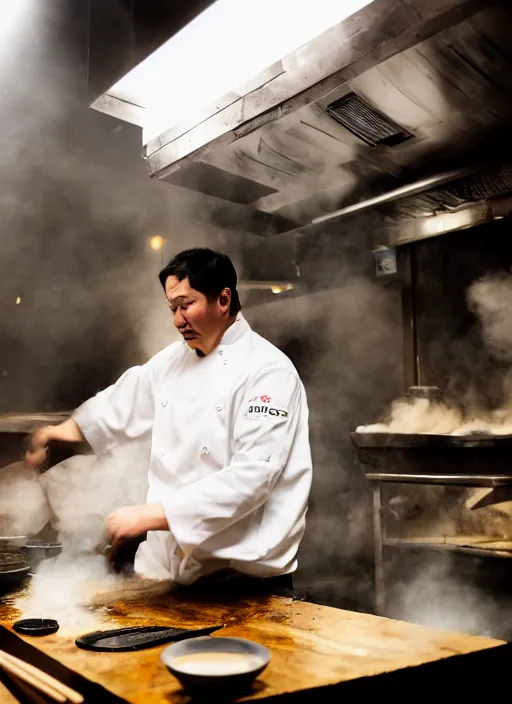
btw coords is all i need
(484, 480)
(445, 547)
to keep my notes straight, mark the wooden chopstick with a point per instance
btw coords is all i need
(32, 680)
(28, 692)
(58, 691)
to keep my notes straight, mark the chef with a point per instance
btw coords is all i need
(230, 467)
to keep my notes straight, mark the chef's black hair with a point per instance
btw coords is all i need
(207, 271)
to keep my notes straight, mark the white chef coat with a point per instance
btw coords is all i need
(230, 455)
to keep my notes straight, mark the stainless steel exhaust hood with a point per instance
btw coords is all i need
(378, 100)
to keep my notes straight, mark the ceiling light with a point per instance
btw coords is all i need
(18, 300)
(156, 242)
(226, 46)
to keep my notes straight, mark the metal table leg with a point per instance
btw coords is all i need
(380, 588)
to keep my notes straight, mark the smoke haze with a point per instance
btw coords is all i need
(490, 299)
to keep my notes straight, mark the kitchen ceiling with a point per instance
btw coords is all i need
(441, 97)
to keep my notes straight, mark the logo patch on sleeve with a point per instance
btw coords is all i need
(264, 399)
(259, 410)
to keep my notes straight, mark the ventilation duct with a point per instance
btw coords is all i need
(366, 123)
(473, 188)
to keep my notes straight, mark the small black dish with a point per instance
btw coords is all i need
(36, 626)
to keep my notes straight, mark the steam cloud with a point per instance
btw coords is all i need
(490, 299)
(62, 589)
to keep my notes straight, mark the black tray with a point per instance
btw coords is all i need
(121, 640)
(424, 440)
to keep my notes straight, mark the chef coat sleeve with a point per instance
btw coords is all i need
(263, 436)
(123, 410)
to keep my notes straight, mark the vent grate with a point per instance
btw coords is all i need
(474, 188)
(366, 123)
(482, 185)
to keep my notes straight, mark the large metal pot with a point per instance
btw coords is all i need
(13, 567)
(36, 550)
(10, 580)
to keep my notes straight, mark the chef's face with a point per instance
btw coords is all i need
(202, 322)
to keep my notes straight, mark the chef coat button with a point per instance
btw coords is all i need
(205, 451)
(219, 408)
(225, 362)
(165, 402)
(221, 352)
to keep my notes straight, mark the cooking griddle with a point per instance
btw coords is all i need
(478, 459)
(427, 441)
(138, 637)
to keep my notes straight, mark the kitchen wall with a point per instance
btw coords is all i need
(453, 349)
(344, 335)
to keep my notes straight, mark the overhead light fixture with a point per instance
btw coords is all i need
(18, 300)
(156, 243)
(221, 50)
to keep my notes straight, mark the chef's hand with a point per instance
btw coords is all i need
(131, 521)
(37, 446)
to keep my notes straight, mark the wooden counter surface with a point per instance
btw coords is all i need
(6, 697)
(312, 646)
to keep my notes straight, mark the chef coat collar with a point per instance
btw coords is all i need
(232, 334)
(235, 331)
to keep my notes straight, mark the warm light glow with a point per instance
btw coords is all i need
(156, 242)
(18, 300)
(445, 222)
(281, 289)
(225, 47)
(274, 286)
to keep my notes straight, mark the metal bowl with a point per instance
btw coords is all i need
(10, 580)
(8, 542)
(227, 664)
(431, 393)
(35, 551)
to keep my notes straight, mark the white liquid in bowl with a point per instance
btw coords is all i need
(216, 663)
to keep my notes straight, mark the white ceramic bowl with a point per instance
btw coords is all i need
(224, 663)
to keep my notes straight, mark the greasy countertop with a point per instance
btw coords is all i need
(312, 645)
